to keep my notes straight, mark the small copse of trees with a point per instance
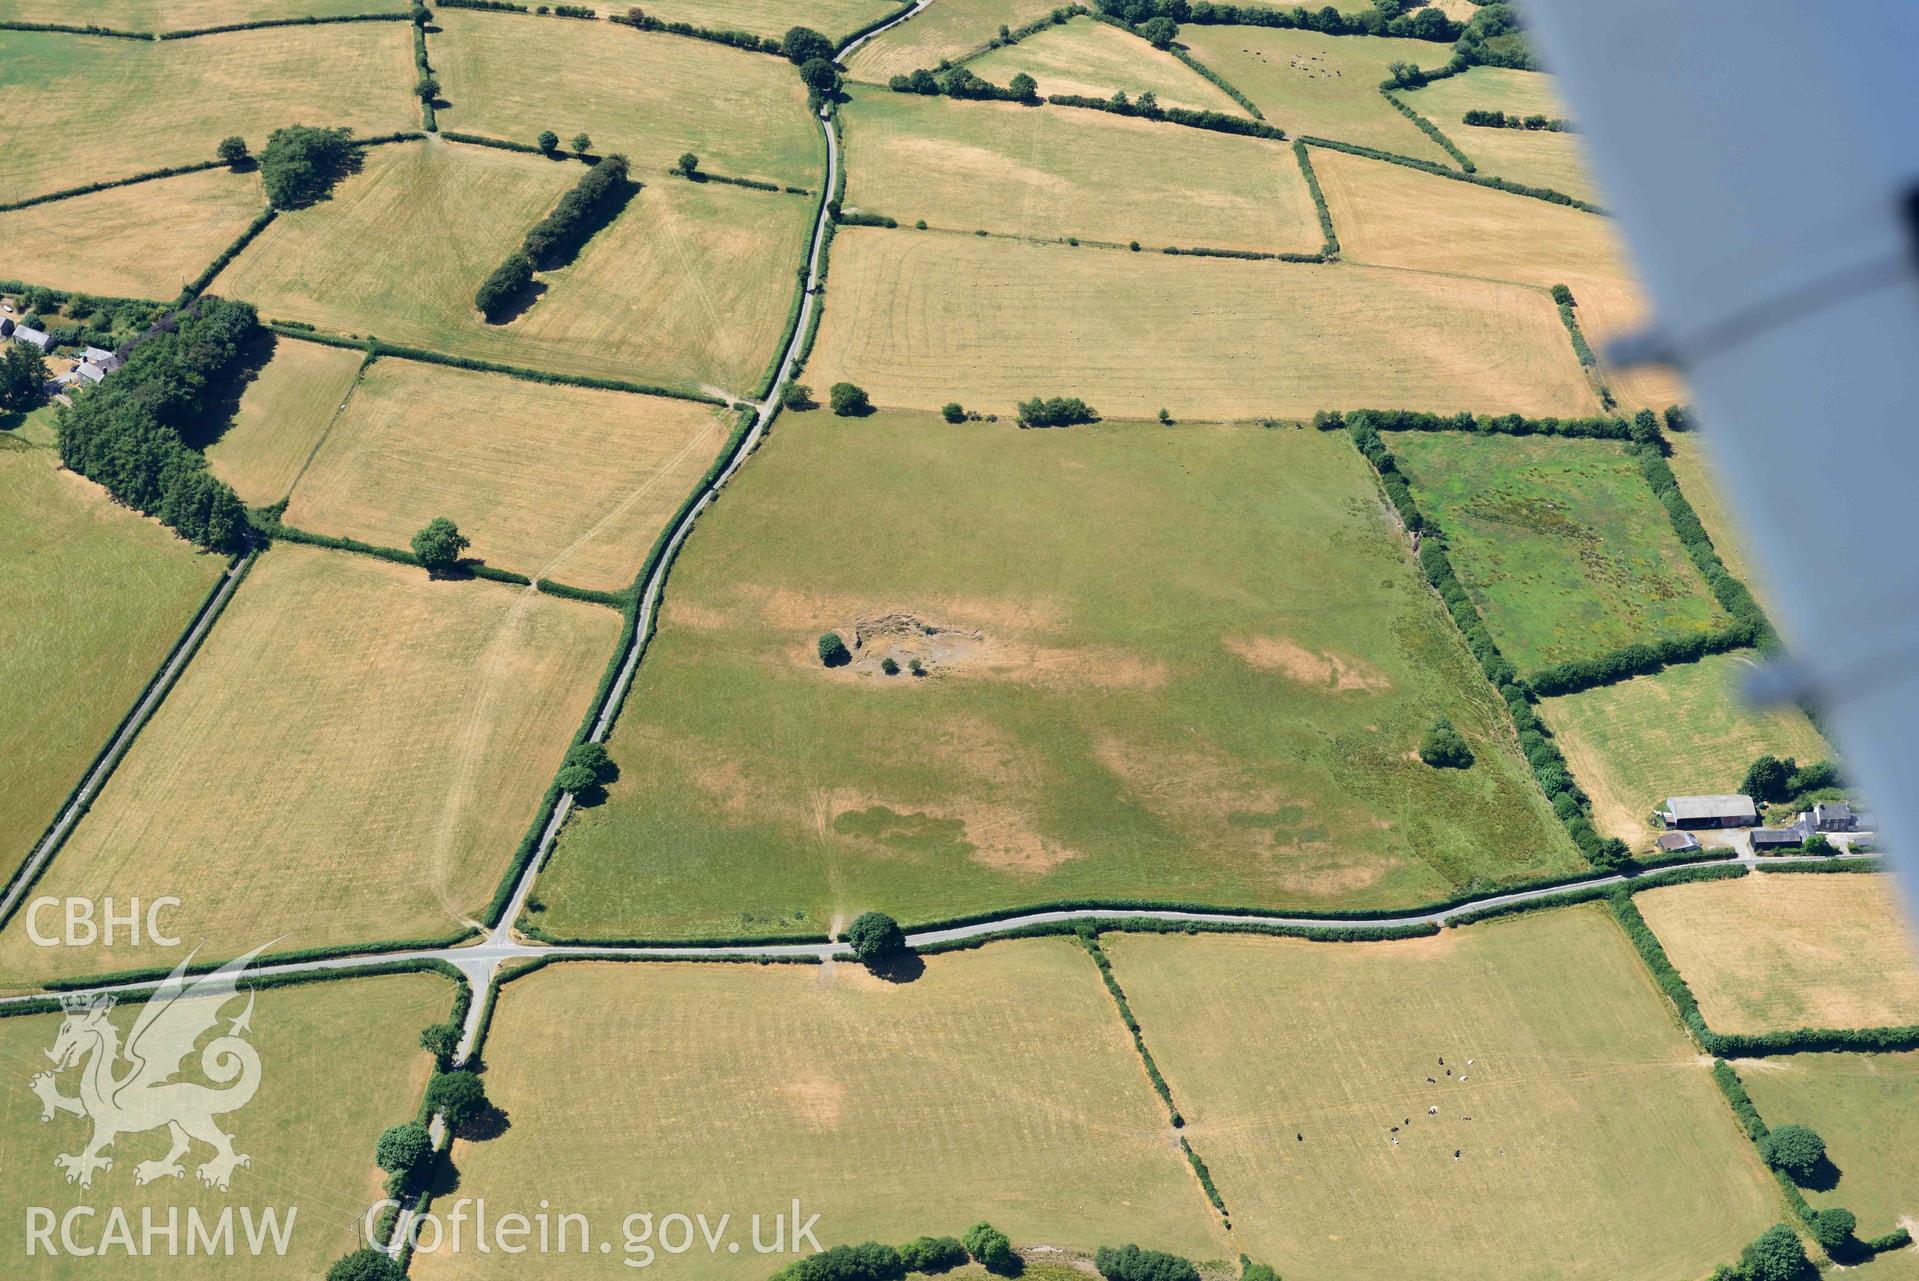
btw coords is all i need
(1130, 1263)
(991, 1248)
(1055, 411)
(1442, 747)
(301, 163)
(849, 400)
(1796, 1151)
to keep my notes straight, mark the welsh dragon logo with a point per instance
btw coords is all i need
(131, 1089)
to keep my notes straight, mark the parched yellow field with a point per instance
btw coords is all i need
(920, 320)
(689, 285)
(93, 598)
(1692, 462)
(179, 15)
(1391, 215)
(836, 19)
(940, 32)
(339, 1062)
(350, 757)
(998, 1085)
(557, 482)
(1097, 60)
(143, 241)
(1541, 159)
(281, 418)
(1776, 951)
(80, 109)
(1008, 168)
(648, 95)
(1685, 731)
(1558, 1119)
(1327, 86)
(1866, 1108)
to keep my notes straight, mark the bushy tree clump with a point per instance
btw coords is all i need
(301, 163)
(1796, 1150)
(1130, 1263)
(833, 651)
(849, 400)
(991, 1247)
(1056, 411)
(439, 545)
(1442, 747)
(875, 937)
(931, 1255)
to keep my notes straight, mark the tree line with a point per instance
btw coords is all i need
(554, 239)
(125, 433)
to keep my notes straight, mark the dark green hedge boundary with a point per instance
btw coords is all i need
(311, 20)
(873, 26)
(1477, 179)
(1828, 868)
(263, 982)
(1224, 86)
(833, 196)
(376, 347)
(334, 952)
(429, 118)
(1727, 1079)
(824, 202)
(227, 255)
(602, 703)
(1056, 18)
(68, 193)
(69, 29)
(1746, 1045)
(501, 144)
(1153, 925)
(280, 532)
(1582, 350)
(751, 184)
(746, 41)
(1593, 893)
(1432, 131)
(592, 596)
(1216, 121)
(240, 567)
(1329, 250)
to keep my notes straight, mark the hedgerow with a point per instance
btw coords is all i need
(497, 5)
(1217, 121)
(1500, 120)
(618, 600)
(1330, 248)
(310, 20)
(1842, 866)
(67, 193)
(1057, 17)
(71, 29)
(1432, 131)
(736, 39)
(754, 184)
(1438, 170)
(227, 255)
(1204, 1175)
(1090, 940)
(429, 118)
(278, 531)
(1225, 86)
(1425, 23)
(558, 236)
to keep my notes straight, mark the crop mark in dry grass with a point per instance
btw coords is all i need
(1278, 654)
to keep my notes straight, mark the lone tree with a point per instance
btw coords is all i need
(820, 76)
(587, 766)
(1768, 778)
(1023, 88)
(580, 143)
(1442, 748)
(953, 412)
(833, 651)
(403, 1151)
(438, 545)
(459, 1097)
(802, 44)
(689, 163)
(365, 1265)
(232, 150)
(427, 89)
(989, 1245)
(301, 163)
(849, 400)
(1796, 1150)
(875, 937)
(23, 375)
(549, 141)
(1833, 1228)
(1776, 1255)
(1160, 31)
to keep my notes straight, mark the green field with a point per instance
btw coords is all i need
(998, 1085)
(919, 320)
(1541, 159)
(180, 15)
(339, 1062)
(93, 599)
(1007, 168)
(1590, 1141)
(688, 287)
(1685, 731)
(81, 109)
(549, 481)
(1184, 665)
(1096, 60)
(946, 31)
(1866, 1107)
(283, 413)
(350, 757)
(648, 95)
(1773, 951)
(1327, 86)
(1560, 542)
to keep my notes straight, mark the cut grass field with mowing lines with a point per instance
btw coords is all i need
(946, 31)
(339, 1062)
(1007, 168)
(1536, 158)
(1866, 1108)
(1185, 665)
(1777, 951)
(283, 412)
(350, 757)
(1560, 542)
(1097, 60)
(998, 1085)
(1685, 731)
(645, 94)
(557, 482)
(1571, 1098)
(690, 284)
(94, 597)
(1328, 86)
(80, 109)
(1395, 216)
(919, 320)
(143, 241)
